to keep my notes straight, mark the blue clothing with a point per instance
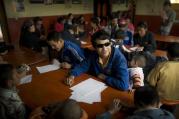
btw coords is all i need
(128, 40)
(145, 114)
(116, 69)
(71, 53)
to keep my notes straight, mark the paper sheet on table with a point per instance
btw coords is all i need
(88, 91)
(47, 68)
(26, 79)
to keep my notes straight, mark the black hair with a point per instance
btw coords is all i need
(99, 35)
(54, 36)
(69, 109)
(167, 3)
(139, 56)
(36, 19)
(6, 73)
(146, 96)
(70, 14)
(95, 20)
(173, 50)
(60, 19)
(120, 34)
(142, 24)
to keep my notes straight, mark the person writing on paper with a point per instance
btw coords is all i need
(68, 109)
(105, 62)
(11, 106)
(69, 54)
(144, 40)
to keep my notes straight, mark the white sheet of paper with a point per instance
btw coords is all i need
(47, 68)
(26, 79)
(88, 91)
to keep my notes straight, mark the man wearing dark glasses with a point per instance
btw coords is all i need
(105, 62)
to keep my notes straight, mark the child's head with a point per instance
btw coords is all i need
(69, 109)
(120, 35)
(137, 59)
(55, 40)
(8, 76)
(142, 28)
(146, 96)
(173, 51)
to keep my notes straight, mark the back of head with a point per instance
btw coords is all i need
(99, 35)
(173, 50)
(6, 73)
(70, 109)
(167, 3)
(139, 58)
(120, 34)
(95, 20)
(54, 36)
(142, 24)
(146, 96)
(36, 19)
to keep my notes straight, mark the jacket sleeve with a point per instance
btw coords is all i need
(80, 68)
(121, 79)
(105, 115)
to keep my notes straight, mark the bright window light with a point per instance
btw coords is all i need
(174, 1)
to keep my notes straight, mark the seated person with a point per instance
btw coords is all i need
(95, 24)
(164, 76)
(112, 27)
(105, 62)
(136, 64)
(11, 106)
(147, 102)
(39, 28)
(59, 25)
(144, 38)
(128, 39)
(69, 109)
(29, 37)
(69, 54)
(130, 25)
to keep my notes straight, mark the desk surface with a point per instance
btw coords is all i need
(49, 87)
(168, 39)
(23, 55)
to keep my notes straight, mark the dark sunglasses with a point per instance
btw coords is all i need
(101, 45)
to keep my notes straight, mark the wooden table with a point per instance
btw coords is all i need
(167, 39)
(49, 87)
(160, 53)
(23, 55)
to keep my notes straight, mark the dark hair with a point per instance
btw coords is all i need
(167, 3)
(95, 20)
(139, 56)
(60, 19)
(70, 14)
(6, 73)
(36, 19)
(99, 35)
(173, 50)
(142, 24)
(120, 34)
(54, 36)
(69, 109)
(146, 96)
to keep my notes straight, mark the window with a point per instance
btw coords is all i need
(174, 1)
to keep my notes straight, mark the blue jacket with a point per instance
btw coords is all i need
(116, 69)
(128, 40)
(71, 53)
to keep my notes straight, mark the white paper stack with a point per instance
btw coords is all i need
(88, 91)
(47, 68)
(26, 79)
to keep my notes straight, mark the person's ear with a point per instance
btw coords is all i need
(84, 115)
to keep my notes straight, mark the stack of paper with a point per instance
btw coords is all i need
(47, 68)
(26, 79)
(88, 91)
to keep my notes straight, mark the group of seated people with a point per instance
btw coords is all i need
(111, 60)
